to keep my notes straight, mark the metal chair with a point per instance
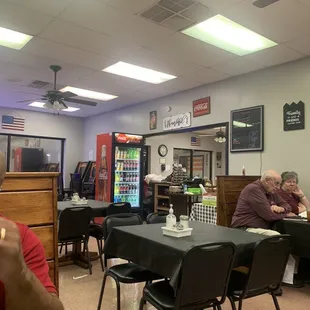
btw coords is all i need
(265, 273)
(204, 276)
(156, 218)
(74, 227)
(96, 230)
(128, 273)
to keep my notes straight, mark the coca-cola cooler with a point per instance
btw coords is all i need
(119, 176)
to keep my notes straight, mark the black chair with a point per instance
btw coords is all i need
(96, 230)
(204, 276)
(156, 218)
(128, 273)
(74, 228)
(265, 272)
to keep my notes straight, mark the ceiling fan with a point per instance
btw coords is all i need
(220, 136)
(263, 3)
(55, 99)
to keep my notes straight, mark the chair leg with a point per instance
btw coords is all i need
(66, 248)
(118, 292)
(219, 307)
(232, 303)
(88, 257)
(61, 246)
(100, 254)
(275, 301)
(240, 304)
(142, 303)
(102, 291)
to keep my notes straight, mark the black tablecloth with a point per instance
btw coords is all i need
(99, 207)
(146, 246)
(300, 233)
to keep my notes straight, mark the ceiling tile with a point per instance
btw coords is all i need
(219, 4)
(132, 6)
(18, 18)
(237, 66)
(181, 47)
(274, 56)
(300, 44)
(276, 21)
(67, 54)
(106, 19)
(87, 40)
(49, 7)
(6, 54)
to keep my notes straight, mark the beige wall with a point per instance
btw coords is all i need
(272, 88)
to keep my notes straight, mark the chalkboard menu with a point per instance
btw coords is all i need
(247, 130)
(294, 116)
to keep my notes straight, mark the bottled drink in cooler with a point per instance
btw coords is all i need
(103, 175)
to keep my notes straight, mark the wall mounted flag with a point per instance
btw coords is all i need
(13, 123)
(195, 141)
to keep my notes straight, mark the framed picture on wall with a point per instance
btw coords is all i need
(153, 120)
(247, 130)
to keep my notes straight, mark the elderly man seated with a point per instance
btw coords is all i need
(259, 206)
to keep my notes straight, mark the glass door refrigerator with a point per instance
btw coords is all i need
(120, 174)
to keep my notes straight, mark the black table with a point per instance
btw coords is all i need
(300, 233)
(146, 246)
(99, 207)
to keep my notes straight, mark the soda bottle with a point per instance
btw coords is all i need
(121, 177)
(103, 175)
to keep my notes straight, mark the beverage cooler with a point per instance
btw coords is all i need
(119, 174)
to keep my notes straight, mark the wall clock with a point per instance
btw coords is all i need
(162, 150)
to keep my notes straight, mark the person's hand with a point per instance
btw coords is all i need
(298, 192)
(277, 209)
(12, 263)
(290, 214)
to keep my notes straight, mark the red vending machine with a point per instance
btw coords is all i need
(119, 176)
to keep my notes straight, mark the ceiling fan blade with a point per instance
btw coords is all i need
(23, 101)
(263, 3)
(62, 102)
(79, 101)
(68, 94)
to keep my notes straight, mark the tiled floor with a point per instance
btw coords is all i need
(83, 293)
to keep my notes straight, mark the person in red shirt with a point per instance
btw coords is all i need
(24, 280)
(292, 194)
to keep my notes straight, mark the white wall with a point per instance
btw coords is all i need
(272, 87)
(183, 140)
(49, 125)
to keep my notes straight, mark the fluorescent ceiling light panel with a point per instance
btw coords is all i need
(228, 35)
(13, 39)
(89, 94)
(139, 73)
(37, 104)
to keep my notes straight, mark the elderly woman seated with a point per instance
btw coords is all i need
(292, 194)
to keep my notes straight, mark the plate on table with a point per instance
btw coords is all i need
(176, 233)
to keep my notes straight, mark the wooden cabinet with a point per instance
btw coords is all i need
(30, 198)
(228, 190)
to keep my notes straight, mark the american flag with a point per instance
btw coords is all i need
(195, 141)
(13, 123)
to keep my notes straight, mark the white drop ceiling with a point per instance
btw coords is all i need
(85, 36)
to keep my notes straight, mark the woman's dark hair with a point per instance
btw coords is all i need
(289, 175)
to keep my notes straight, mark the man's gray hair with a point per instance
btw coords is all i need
(287, 175)
(267, 175)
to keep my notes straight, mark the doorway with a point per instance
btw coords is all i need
(198, 163)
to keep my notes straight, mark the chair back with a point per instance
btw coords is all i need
(204, 275)
(119, 207)
(122, 219)
(156, 218)
(74, 223)
(270, 257)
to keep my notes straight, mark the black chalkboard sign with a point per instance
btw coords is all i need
(247, 129)
(294, 116)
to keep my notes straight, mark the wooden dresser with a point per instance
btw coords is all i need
(30, 198)
(229, 188)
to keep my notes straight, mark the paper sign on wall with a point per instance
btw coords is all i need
(177, 121)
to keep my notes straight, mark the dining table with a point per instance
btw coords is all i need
(146, 246)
